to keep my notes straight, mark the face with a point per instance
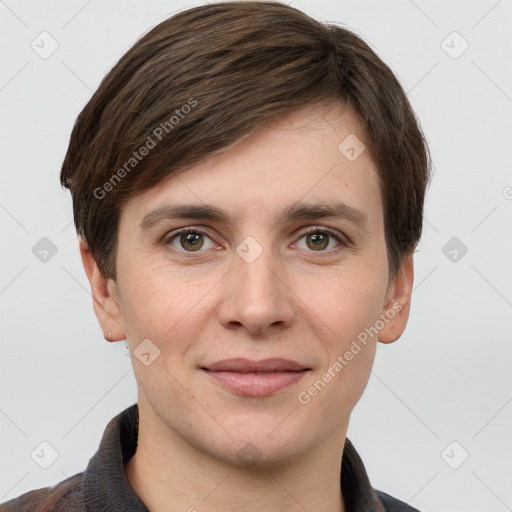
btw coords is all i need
(260, 273)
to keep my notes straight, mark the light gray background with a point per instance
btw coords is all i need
(447, 379)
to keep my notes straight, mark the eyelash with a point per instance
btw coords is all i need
(343, 241)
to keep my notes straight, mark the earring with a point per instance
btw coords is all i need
(109, 335)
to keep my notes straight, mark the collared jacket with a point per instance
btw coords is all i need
(103, 486)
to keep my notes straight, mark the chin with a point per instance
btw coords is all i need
(253, 445)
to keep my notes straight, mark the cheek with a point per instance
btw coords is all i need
(165, 307)
(342, 311)
(344, 303)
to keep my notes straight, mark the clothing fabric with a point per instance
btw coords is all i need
(103, 486)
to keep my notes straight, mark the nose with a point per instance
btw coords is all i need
(256, 296)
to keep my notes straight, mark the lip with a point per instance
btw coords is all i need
(242, 365)
(256, 378)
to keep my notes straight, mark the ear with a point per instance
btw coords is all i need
(398, 302)
(105, 297)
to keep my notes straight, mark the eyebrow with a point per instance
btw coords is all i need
(293, 212)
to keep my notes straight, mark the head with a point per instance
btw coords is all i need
(252, 117)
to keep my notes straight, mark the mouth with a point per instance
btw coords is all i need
(255, 378)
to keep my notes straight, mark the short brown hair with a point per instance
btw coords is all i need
(212, 75)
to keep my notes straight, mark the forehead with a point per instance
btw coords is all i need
(313, 155)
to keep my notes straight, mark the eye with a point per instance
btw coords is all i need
(316, 239)
(319, 239)
(190, 240)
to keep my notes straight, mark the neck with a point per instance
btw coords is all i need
(168, 474)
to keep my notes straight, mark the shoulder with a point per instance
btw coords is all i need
(392, 504)
(66, 496)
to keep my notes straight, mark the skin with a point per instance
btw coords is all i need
(295, 301)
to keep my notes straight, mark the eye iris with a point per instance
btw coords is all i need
(191, 239)
(319, 240)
